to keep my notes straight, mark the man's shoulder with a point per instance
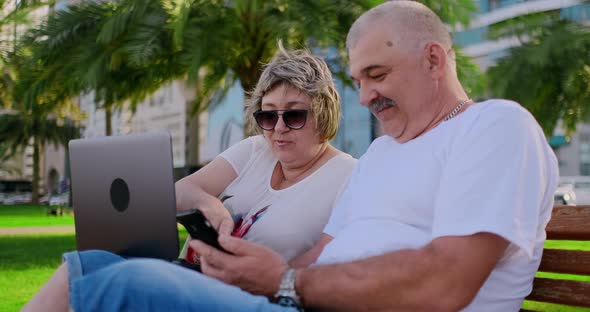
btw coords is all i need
(500, 113)
(497, 108)
(382, 141)
(378, 146)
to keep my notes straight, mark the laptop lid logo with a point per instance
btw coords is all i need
(119, 194)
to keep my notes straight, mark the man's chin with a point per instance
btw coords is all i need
(392, 128)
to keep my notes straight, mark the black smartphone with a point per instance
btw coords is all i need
(199, 228)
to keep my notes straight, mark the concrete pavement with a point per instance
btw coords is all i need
(37, 230)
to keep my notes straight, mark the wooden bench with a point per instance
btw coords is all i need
(567, 223)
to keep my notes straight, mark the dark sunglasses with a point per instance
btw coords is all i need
(293, 118)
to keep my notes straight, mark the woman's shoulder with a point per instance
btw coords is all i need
(257, 141)
(341, 160)
(255, 144)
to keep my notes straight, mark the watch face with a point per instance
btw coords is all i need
(285, 301)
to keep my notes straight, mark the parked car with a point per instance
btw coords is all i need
(17, 198)
(565, 195)
(581, 186)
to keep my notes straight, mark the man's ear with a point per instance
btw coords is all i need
(436, 59)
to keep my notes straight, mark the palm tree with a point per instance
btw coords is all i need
(231, 42)
(549, 73)
(16, 129)
(13, 14)
(34, 126)
(75, 51)
(126, 50)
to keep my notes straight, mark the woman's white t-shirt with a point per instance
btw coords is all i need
(295, 216)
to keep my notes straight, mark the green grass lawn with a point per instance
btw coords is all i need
(28, 261)
(31, 215)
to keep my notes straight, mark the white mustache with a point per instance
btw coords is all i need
(381, 104)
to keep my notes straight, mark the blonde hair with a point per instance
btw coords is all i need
(307, 73)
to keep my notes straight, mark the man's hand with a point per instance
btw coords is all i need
(253, 268)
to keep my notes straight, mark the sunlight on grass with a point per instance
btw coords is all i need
(32, 215)
(18, 286)
(27, 263)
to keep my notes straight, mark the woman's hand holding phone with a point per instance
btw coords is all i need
(199, 227)
(219, 217)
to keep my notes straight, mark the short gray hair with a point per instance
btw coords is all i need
(309, 74)
(414, 23)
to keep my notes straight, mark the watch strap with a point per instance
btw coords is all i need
(286, 295)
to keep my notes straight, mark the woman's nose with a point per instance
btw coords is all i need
(281, 126)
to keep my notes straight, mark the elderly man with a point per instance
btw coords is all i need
(446, 212)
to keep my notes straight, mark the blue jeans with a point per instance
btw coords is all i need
(102, 281)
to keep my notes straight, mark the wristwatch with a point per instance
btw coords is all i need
(286, 295)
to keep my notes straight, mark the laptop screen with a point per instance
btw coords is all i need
(123, 195)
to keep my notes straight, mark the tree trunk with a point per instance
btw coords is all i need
(192, 160)
(108, 115)
(248, 84)
(67, 174)
(36, 165)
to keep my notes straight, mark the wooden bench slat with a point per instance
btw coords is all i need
(571, 293)
(565, 261)
(569, 223)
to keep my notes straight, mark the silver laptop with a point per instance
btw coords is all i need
(123, 195)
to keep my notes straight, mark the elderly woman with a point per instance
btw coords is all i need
(279, 186)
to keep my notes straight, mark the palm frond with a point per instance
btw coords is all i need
(471, 77)
(179, 12)
(548, 75)
(123, 14)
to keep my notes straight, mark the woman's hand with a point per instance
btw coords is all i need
(201, 189)
(218, 216)
(251, 267)
(190, 196)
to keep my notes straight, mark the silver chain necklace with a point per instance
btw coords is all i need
(457, 109)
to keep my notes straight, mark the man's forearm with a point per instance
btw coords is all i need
(444, 275)
(407, 280)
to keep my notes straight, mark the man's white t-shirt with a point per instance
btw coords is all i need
(295, 216)
(489, 169)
